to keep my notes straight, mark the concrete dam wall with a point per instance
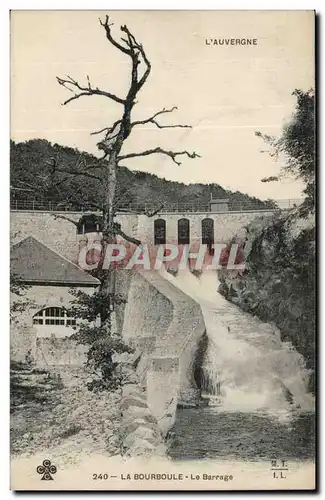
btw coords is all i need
(61, 235)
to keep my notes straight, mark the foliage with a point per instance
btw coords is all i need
(297, 143)
(102, 347)
(18, 289)
(278, 283)
(29, 160)
(95, 332)
(17, 286)
(95, 306)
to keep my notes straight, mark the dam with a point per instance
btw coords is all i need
(245, 372)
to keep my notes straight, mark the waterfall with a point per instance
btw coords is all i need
(211, 374)
(246, 366)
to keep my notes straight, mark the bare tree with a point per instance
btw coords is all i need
(104, 171)
(116, 134)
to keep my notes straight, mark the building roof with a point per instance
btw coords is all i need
(34, 262)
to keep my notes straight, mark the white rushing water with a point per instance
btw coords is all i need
(247, 367)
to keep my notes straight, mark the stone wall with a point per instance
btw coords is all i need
(59, 351)
(148, 312)
(226, 224)
(61, 235)
(24, 333)
(22, 342)
(57, 233)
(166, 326)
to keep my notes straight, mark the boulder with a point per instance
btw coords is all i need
(130, 427)
(134, 412)
(140, 447)
(130, 389)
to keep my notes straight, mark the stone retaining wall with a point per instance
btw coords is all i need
(139, 431)
(165, 325)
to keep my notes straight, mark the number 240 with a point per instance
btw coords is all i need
(99, 476)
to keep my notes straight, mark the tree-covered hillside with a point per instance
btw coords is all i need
(32, 178)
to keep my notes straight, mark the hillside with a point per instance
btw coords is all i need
(31, 175)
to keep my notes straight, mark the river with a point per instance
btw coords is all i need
(211, 433)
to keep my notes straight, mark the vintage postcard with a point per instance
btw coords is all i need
(163, 250)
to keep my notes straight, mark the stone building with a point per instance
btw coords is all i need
(42, 325)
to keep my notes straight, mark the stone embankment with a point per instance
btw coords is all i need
(138, 431)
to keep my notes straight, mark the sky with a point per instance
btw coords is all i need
(225, 93)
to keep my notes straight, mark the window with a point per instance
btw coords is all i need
(160, 232)
(207, 231)
(90, 223)
(54, 316)
(183, 232)
(207, 226)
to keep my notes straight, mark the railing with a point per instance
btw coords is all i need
(49, 206)
(232, 206)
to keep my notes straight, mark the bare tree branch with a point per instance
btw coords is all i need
(109, 37)
(76, 172)
(152, 120)
(142, 212)
(81, 162)
(147, 72)
(42, 187)
(25, 184)
(129, 238)
(159, 150)
(108, 130)
(152, 214)
(85, 91)
(57, 216)
(136, 49)
(14, 188)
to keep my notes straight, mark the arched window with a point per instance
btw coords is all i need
(54, 316)
(207, 231)
(160, 231)
(90, 223)
(183, 232)
(207, 226)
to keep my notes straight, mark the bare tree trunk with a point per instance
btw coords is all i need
(110, 198)
(108, 280)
